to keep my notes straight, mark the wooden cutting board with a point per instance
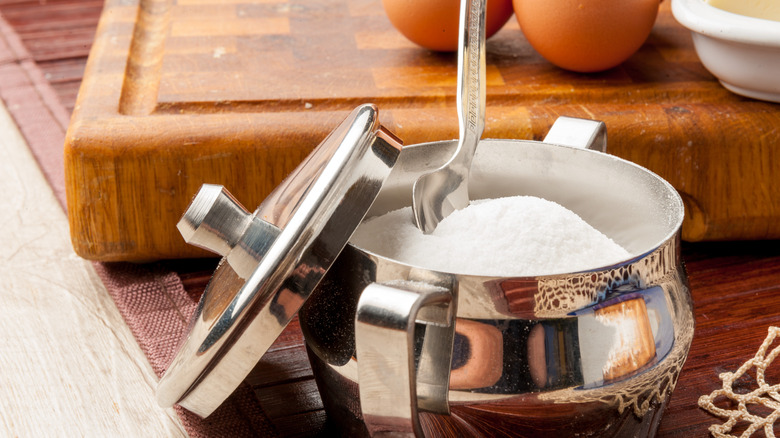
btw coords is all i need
(237, 92)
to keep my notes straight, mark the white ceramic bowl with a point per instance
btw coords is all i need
(742, 52)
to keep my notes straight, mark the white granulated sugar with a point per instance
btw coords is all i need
(514, 236)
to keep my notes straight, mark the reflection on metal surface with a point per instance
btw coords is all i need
(671, 307)
(633, 346)
(534, 353)
(270, 267)
(526, 363)
(482, 363)
(568, 353)
(393, 382)
(214, 221)
(616, 339)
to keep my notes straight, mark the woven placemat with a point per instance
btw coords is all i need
(151, 298)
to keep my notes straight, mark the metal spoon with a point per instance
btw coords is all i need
(437, 194)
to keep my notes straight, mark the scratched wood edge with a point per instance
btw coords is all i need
(251, 164)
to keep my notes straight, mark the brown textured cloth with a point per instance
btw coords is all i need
(153, 302)
(151, 298)
(33, 104)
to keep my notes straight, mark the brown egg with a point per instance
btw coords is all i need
(586, 35)
(434, 25)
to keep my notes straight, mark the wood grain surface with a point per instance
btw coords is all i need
(70, 366)
(178, 93)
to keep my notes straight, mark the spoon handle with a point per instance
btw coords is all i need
(470, 100)
(438, 193)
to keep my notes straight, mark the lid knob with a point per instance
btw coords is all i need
(215, 220)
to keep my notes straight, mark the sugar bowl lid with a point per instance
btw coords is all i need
(272, 258)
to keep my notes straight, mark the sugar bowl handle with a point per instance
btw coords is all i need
(578, 133)
(392, 387)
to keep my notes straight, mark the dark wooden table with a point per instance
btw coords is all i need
(735, 285)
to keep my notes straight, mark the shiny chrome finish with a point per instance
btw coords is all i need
(442, 191)
(578, 133)
(592, 353)
(274, 258)
(391, 386)
(405, 350)
(216, 221)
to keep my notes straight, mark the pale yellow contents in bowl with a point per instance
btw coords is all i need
(766, 9)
